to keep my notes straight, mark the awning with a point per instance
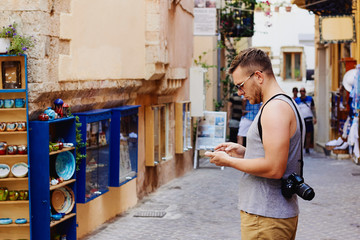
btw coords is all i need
(326, 7)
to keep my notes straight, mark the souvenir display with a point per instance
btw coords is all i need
(11, 74)
(14, 189)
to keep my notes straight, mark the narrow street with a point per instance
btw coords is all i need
(203, 205)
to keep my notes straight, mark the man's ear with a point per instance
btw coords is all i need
(260, 77)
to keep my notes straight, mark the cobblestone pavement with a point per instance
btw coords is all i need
(203, 205)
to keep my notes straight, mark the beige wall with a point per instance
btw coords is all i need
(106, 42)
(208, 44)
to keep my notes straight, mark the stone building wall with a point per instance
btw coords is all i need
(102, 54)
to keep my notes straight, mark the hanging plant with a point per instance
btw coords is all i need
(237, 18)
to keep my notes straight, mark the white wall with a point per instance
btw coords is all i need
(286, 29)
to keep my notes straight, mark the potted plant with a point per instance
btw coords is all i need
(14, 44)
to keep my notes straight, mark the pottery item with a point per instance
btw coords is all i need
(2, 126)
(66, 110)
(5, 220)
(43, 117)
(19, 169)
(3, 193)
(11, 126)
(9, 103)
(65, 165)
(23, 195)
(20, 102)
(56, 216)
(4, 170)
(22, 149)
(3, 146)
(63, 200)
(51, 113)
(11, 149)
(1, 103)
(13, 195)
(59, 107)
(20, 221)
(4, 45)
(21, 126)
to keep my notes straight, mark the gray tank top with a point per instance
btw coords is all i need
(262, 196)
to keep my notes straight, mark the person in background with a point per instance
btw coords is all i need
(307, 109)
(272, 153)
(249, 113)
(234, 115)
(295, 92)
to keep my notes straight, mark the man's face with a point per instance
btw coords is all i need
(302, 92)
(246, 85)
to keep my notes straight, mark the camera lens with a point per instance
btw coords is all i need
(305, 191)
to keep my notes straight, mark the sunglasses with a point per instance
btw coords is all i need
(241, 85)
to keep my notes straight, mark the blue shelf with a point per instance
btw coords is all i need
(13, 90)
(42, 169)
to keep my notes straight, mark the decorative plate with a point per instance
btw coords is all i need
(63, 200)
(5, 220)
(65, 165)
(19, 169)
(4, 170)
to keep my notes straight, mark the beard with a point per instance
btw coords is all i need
(257, 97)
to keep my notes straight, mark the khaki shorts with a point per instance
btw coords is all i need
(259, 227)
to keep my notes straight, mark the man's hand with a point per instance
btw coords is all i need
(232, 149)
(219, 158)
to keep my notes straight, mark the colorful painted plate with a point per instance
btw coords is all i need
(65, 165)
(63, 200)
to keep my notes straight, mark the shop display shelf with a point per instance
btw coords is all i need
(66, 217)
(62, 150)
(13, 179)
(62, 184)
(14, 202)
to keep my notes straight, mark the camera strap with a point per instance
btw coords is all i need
(301, 126)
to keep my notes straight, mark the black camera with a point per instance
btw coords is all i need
(295, 184)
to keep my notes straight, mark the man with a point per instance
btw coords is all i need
(307, 109)
(249, 113)
(264, 212)
(295, 92)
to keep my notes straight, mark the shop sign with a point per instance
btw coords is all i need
(337, 29)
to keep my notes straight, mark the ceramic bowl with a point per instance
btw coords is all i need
(65, 165)
(19, 169)
(5, 220)
(4, 170)
(21, 221)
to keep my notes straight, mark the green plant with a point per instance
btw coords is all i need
(201, 63)
(79, 144)
(18, 44)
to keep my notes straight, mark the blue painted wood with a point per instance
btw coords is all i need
(117, 114)
(42, 167)
(85, 118)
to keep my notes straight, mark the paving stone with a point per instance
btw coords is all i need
(202, 205)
